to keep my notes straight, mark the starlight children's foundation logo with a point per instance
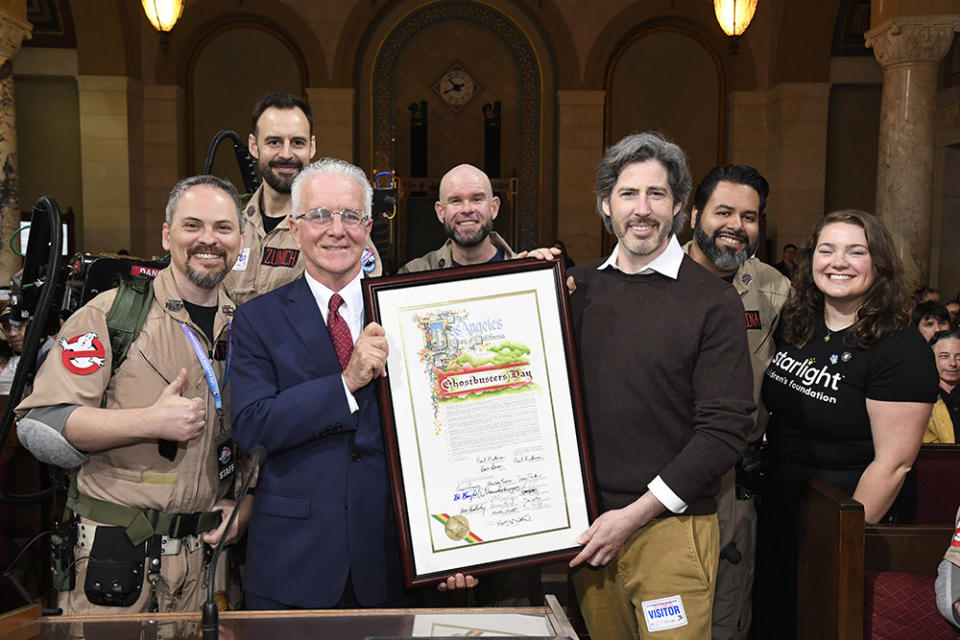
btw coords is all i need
(803, 375)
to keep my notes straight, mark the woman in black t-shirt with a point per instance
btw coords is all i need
(849, 391)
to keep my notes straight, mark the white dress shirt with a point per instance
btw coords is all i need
(667, 263)
(351, 311)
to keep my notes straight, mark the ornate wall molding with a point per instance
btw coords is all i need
(528, 96)
(913, 39)
(13, 31)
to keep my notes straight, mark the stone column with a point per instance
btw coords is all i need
(13, 29)
(909, 50)
(579, 148)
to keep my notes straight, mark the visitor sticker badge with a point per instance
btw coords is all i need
(242, 260)
(82, 354)
(665, 613)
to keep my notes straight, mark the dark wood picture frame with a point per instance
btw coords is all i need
(372, 289)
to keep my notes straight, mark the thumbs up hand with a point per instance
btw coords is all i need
(173, 417)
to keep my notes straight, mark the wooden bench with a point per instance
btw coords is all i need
(836, 549)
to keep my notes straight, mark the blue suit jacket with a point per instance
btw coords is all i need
(322, 506)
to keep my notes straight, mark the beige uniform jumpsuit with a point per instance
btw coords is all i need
(77, 372)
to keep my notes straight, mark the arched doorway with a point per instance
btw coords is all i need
(409, 65)
(668, 78)
(229, 69)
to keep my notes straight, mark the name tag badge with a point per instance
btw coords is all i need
(665, 613)
(242, 259)
(226, 457)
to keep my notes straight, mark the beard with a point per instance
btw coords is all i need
(280, 183)
(642, 247)
(471, 240)
(207, 279)
(724, 259)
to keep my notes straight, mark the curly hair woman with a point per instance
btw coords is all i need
(849, 390)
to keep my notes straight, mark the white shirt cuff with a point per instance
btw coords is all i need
(352, 402)
(666, 496)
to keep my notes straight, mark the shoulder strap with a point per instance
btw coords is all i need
(127, 315)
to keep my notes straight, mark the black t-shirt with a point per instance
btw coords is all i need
(270, 222)
(817, 396)
(203, 317)
(497, 257)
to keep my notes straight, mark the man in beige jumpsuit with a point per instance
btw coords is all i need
(154, 452)
(725, 218)
(467, 209)
(282, 142)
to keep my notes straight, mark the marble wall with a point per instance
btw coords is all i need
(105, 161)
(579, 145)
(164, 130)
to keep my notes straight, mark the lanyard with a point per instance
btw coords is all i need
(205, 363)
(229, 351)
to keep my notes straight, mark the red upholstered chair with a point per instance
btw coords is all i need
(900, 606)
(835, 551)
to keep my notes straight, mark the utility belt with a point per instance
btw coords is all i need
(139, 524)
(87, 533)
(126, 546)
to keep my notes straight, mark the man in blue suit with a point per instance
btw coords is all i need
(322, 533)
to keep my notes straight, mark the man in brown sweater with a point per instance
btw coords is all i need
(668, 390)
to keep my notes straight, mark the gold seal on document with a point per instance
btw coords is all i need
(457, 528)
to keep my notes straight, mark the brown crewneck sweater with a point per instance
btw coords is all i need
(667, 382)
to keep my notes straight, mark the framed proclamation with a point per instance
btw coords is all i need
(482, 417)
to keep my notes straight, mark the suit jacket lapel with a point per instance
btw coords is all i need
(307, 322)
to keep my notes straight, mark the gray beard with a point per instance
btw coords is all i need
(206, 280)
(722, 259)
(472, 242)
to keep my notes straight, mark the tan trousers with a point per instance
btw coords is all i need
(732, 601)
(669, 565)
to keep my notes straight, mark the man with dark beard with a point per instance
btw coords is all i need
(726, 214)
(282, 143)
(148, 434)
(467, 209)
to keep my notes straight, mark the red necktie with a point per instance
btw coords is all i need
(339, 331)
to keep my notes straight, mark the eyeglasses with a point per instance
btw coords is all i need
(321, 217)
